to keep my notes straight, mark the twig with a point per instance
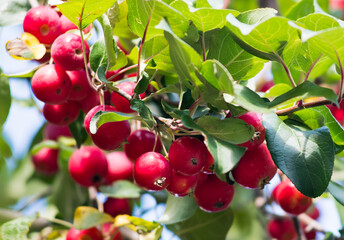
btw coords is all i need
(340, 93)
(290, 110)
(311, 67)
(287, 70)
(311, 223)
(203, 47)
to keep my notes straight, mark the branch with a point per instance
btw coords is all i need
(295, 108)
(288, 72)
(340, 93)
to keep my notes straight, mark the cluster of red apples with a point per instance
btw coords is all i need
(187, 169)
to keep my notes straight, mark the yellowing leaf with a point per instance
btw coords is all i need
(87, 217)
(26, 48)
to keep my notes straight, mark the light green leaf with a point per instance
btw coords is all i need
(197, 227)
(45, 144)
(337, 191)
(231, 130)
(303, 8)
(265, 36)
(85, 10)
(205, 19)
(5, 98)
(16, 229)
(102, 117)
(178, 209)
(241, 64)
(122, 189)
(303, 91)
(309, 117)
(218, 76)
(336, 130)
(277, 90)
(87, 217)
(306, 157)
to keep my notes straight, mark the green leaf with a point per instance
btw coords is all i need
(197, 227)
(311, 118)
(249, 100)
(303, 91)
(301, 9)
(87, 217)
(44, 144)
(226, 155)
(78, 130)
(147, 116)
(102, 117)
(218, 76)
(5, 98)
(329, 236)
(178, 209)
(277, 90)
(265, 36)
(67, 195)
(241, 64)
(306, 157)
(284, 6)
(337, 191)
(16, 229)
(85, 11)
(280, 75)
(336, 130)
(205, 19)
(64, 155)
(174, 112)
(122, 189)
(121, 29)
(231, 130)
(26, 74)
(184, 58)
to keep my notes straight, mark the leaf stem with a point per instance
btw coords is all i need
(311, 67)
(340, 93)
(287, 70)
(203, 46)
(141, 45)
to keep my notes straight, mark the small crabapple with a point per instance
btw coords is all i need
(112, 73)
(213, 195)
(187, 155)
(61, 114)
(209, 167)
(67, 25)
(88, 166)
(140, 142)
(89, 234)
(119, 167)
(152, 171)
(120, 103)
(117, 206)
(110, 135)
(51, 84)
(44, 23)
(67, 52)
(282, 229)
(255, 169)
(80, 86)
(89, 102)
(53, 132)
(45, 161)
(254, 119)
(290, 199)
(181, 185)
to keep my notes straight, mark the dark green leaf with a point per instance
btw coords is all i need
(197, 227)
(226, 155)
(102, 117)
(142, 85)
(87, 217)
(147, 116)
(241, 64)
(231, 130)
(78, 130)
(303, 91)
(5, 98)
(16, 229)
(249, 100)
(85, 11)
(337, 191)
(178, 209)
(122, 189)
(174, 112)
(68, 195)
(306, 157)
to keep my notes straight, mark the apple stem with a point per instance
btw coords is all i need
(290, 110)
(296, 222)
(287, 70)
(311, 67)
